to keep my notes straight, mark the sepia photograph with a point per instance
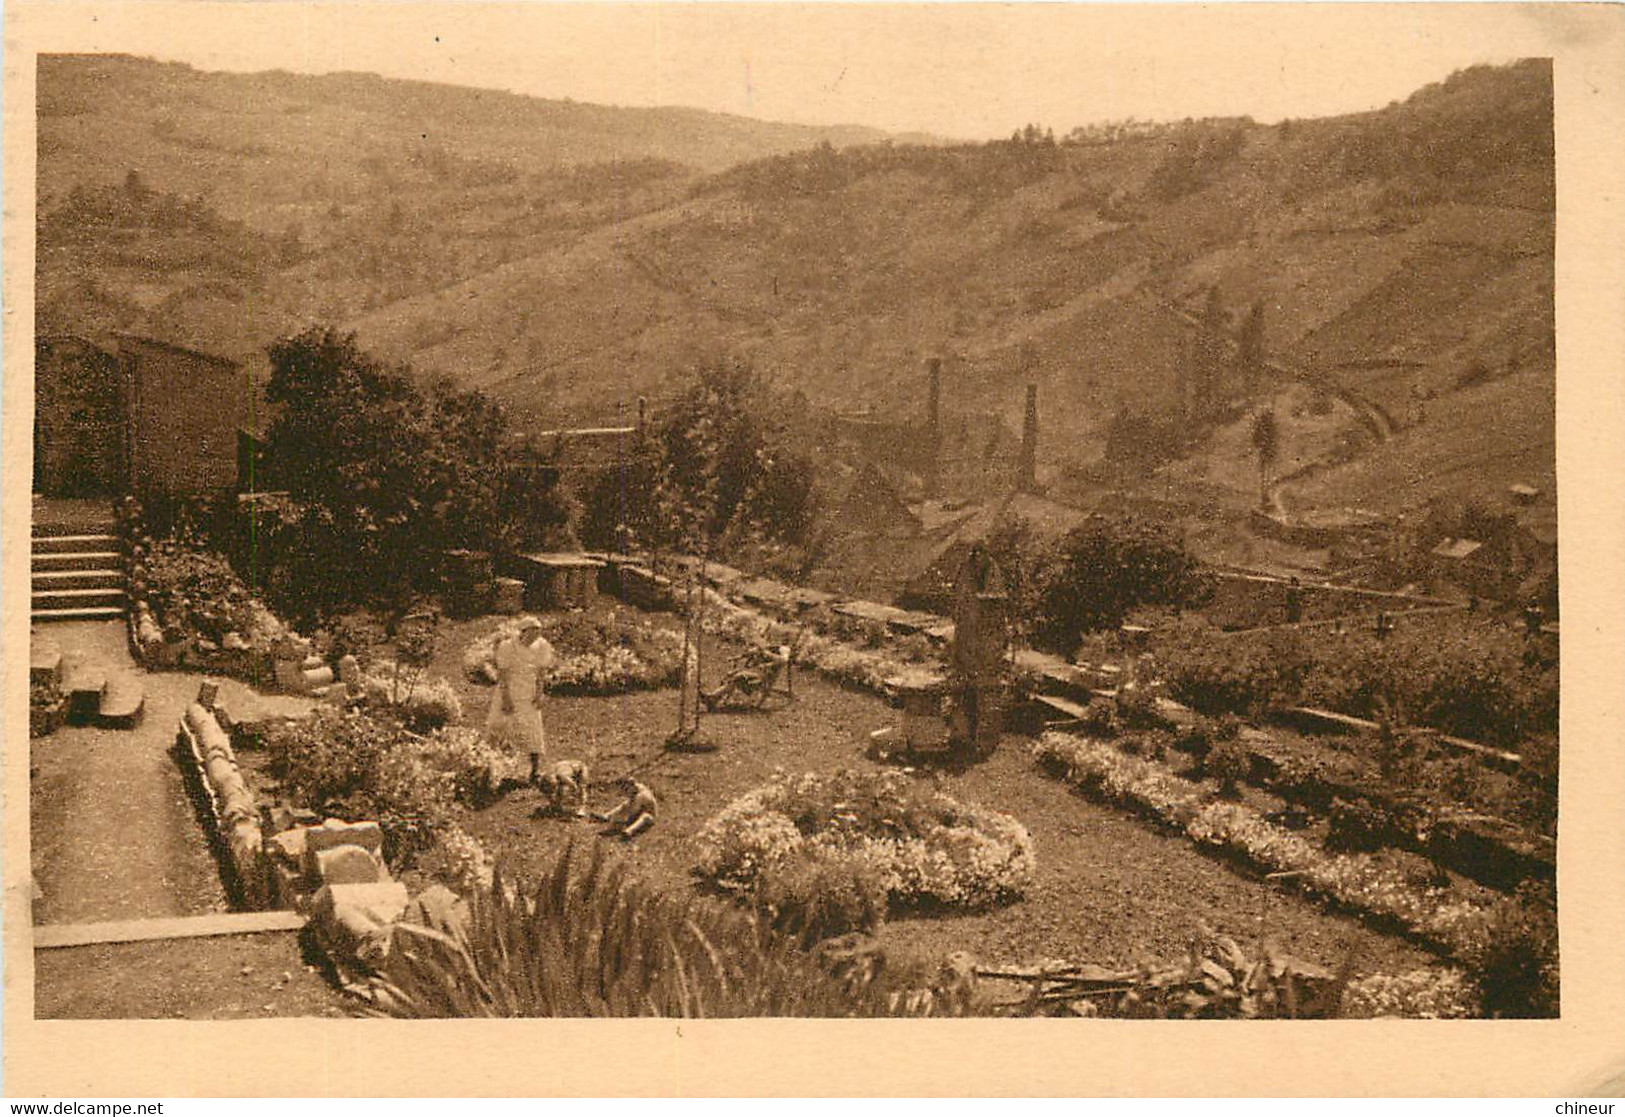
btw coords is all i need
(828, 511)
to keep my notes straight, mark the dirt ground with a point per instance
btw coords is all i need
(114, 836)
(1109, 889)
(229, 977)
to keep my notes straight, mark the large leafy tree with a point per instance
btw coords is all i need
(1107, 567)
(717, 465)
(388, 476)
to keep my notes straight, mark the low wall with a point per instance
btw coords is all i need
(233, 814)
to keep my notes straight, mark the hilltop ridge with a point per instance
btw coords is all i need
(1401, 260)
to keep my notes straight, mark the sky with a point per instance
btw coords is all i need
(958, 70)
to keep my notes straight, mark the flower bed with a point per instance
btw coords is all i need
(423, 701)
(601, 655)
(866, 668)
(1439, 811)
(832, 853)
(1442, 994)
(351, 765)
(190, 609)
(1356, 881)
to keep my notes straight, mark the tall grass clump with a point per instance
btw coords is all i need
(587, 939)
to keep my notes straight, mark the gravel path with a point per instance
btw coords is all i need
(114, 835)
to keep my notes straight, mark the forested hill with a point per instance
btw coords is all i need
(1402, 257)
(219, 209)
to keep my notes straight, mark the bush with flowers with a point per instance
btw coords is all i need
(422, 700)
(350, 764)
(603, 654)
(877, 839)
(1437, 994)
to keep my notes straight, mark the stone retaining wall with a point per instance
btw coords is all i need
(233, 813)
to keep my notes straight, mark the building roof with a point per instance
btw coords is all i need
(169, 346)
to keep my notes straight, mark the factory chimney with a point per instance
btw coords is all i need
(1027, 480)
(933, 427)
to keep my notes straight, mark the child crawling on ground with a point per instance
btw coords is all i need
(635, 815)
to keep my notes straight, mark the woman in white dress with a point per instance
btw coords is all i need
(515, 718)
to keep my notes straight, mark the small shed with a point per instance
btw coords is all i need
(559, 580)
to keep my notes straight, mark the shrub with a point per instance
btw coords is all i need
(1463, 677)
(921, 845)
(819, 895)
(1104, 569)
(1202, 734)
(382, 473)
(588, 940)
(477, 768)
(1137, 709)
(1243, 677)
(1230, 762)
(351, 764)
(421, 703)
(194, 591)
(719, 464)
(1100, 719)
(1357, 827)
(361, 634)
(1515, 961)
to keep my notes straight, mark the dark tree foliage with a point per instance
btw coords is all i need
(386, 477)
(717, 465)
(1250, 356)
(1104, 569)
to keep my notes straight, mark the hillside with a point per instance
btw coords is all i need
(1398, 255)
(306, 198)
(568, 258)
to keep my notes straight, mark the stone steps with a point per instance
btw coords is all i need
(96, 613)
(57, 544)
(44, 661)
(51, 562)
(93, 597)
(104, 578)
(95, 696)
(123, 702)
(83, 684)
(77, 573)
